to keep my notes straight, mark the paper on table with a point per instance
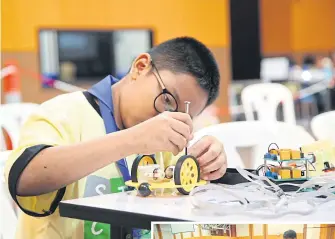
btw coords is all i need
(324, 151)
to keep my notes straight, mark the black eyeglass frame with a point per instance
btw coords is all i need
(164, 91)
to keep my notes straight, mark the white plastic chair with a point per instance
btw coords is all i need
(12, 128)
(235, 136)
(12, 116)
(323, 126)
(8, 218)
(264, 98)
(19, 111)
(207, 118)
(246, 142)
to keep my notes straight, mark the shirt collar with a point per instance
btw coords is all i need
(103, 91)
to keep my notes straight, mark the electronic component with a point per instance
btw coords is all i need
(286, 164)
(147, 176)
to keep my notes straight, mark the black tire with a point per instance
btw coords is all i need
(144, 189)
(136, 163)
(178, 173)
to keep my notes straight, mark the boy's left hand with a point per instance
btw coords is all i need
(211, 157)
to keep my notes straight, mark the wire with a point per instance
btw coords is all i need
(263, 195)
(274, 145)
(262, 166)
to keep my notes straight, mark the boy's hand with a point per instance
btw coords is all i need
(211, 157)
(166, 132)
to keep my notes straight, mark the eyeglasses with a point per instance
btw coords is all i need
(165, 101)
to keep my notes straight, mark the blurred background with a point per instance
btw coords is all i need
(276, 57)
(290, 42)
(276, 60)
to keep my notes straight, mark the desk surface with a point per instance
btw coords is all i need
(128, 210)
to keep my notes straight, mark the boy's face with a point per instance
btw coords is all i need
(145, 82)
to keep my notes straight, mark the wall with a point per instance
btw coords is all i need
(296, 26)
(242, 230)
(205, 20)
(276, 230)
(313, 231)
(275, 25)
(313, 25)
(167, 234)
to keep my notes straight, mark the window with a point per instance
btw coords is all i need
(86, 56)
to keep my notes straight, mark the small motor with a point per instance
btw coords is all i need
(157, 174)
(150, 173)
(169, 171)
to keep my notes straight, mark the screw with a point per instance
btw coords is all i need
(187, 110)
(187, 107)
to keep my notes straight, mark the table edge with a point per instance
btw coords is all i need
(111, 216)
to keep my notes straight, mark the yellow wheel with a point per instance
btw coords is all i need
(141, 160)
(186, 173)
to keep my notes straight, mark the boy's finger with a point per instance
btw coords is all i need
(186, 118)
(201, 146)
(181, 128)
(214, 175)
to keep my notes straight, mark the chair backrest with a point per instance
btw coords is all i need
(12, 129)
(12, 116)
(8, 222)
(207, 118)
(234, 135)
(18, 111)
(323, 126)
(264, 98)
(257, 136)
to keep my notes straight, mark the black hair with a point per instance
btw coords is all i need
(189, 56)
(290, 234)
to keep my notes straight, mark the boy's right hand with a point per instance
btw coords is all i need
(166, 132)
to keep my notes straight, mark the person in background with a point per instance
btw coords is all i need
(309, 62)
(79, 144)
(309, 104)
(332, 90)
(290, 234)
(332, 57)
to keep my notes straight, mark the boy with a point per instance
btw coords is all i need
(290, 234)
(76, 144)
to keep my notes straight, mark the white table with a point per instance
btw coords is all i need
(128, 210)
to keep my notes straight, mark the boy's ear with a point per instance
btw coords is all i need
(140, 65)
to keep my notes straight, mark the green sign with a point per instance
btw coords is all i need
(97, 230)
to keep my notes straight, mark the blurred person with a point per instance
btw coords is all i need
(332, 57)
(309, 62)
(326, 67)
(79, 141)
(290, 234)
(292, 62)
(313, 104)
(332, 84)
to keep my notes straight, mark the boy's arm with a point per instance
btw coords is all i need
(47, 171)
(49, 156)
